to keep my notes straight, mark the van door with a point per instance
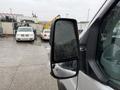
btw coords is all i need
(69, 84)
(106, 55)
(87, 83)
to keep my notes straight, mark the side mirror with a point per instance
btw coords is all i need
(64, 48)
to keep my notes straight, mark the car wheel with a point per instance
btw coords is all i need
(42, 39)
(32, 41)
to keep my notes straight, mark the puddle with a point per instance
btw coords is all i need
(37, 42)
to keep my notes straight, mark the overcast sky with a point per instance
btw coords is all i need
(48, 9)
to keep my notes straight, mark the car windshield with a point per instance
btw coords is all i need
(25, 30)
(47, 31)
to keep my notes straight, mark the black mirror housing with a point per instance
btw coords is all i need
(65, 52)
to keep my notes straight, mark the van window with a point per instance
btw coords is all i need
(108, 51)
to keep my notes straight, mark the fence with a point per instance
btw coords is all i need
(7, 28)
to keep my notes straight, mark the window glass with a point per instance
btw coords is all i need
(47, 31)
(109, 45)
(25, 30)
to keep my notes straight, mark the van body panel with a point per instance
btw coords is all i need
(84, 81)
(87, 83)
(69, 84)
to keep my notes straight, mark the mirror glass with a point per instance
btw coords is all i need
(65, 42)
(65, 69)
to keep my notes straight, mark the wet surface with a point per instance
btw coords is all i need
(25, 65)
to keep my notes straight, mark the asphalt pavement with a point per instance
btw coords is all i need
(25, 65)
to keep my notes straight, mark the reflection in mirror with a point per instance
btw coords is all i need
(65, 43)
(65, 69)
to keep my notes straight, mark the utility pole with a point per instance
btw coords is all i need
(88, 14)
(12, 20)
(11, 13)
(10, 10)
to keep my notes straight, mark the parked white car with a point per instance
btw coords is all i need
(45, 34)
(25, 34)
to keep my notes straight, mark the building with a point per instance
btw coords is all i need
(3, 15)
(83, 25)
(27, 18)
(18, 17)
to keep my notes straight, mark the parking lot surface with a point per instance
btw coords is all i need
(25, 65)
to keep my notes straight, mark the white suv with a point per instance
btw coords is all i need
(25, 34)
(45, 34)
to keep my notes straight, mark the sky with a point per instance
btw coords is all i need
(46, 10)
